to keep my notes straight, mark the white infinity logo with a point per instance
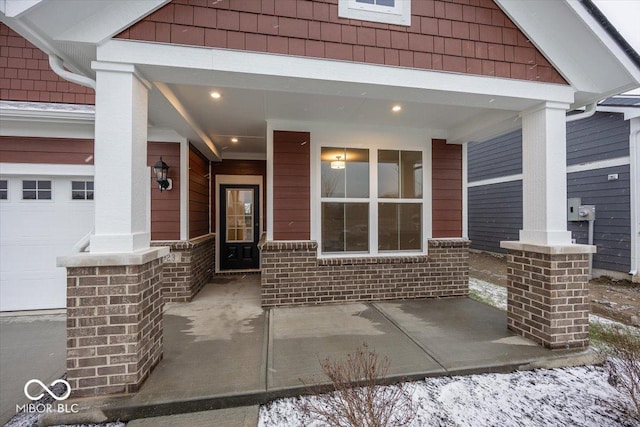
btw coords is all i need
(48, 390)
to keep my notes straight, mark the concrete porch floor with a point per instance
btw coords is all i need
(223, 350)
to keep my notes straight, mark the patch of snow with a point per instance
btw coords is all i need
(494, 295)
(578, 396)
(46, 106)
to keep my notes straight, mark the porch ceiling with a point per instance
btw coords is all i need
(243, 114)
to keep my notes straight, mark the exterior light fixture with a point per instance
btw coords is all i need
(216, 95)
(161, 169)
(396, 108)
(234, 140)
(337, 164)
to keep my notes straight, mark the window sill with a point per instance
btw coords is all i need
(384, 259)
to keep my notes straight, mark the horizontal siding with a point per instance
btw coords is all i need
(165, 205)
(497, 157)
(17, 149)
(199, 208)
(446, 189)
(599, 137)
(495, 214)
(612, 227)
(291, 186)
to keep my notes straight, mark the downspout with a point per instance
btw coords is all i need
(589, 111)
(57, 66)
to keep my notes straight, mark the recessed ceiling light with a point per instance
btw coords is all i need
(234, 140)
(216, 95)
(396, 108)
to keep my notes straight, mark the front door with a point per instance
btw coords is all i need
(239, 227)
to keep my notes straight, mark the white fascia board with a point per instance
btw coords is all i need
(172, 63)
(13, 8)
(46, 115)
(576, 45)
(244, 156)
(46, 169)
(485, 126)
(89, 21)
(164, 135)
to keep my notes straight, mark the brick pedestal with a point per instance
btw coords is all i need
(548, 294)
(114, 320)
(292, 274)
(189, 266)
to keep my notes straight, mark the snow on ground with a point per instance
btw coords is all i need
(560, 397)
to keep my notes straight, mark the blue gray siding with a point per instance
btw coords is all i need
(612, 227)
(500, 156)
(600, 137)
(495, 211)
(495, 214)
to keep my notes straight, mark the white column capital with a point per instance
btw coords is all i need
(116, 67)
(548, 105)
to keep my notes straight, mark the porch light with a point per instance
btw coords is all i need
(337, 164)
(161, 169)
(396, 108)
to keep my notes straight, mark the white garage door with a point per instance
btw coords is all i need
(40, 218)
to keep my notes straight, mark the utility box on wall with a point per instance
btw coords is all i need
(573, 209)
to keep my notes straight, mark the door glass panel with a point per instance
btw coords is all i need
(239, 215)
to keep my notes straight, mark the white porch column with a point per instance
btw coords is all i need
(121, 172)
(544, 176)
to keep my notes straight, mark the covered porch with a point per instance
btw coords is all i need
(224, 350)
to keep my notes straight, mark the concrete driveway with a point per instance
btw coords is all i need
(32, 346)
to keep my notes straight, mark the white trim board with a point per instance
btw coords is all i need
(582, 167)
(43, 169)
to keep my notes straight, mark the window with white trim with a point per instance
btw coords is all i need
(4, 189)
(82, 190)
(396, 12)
(353, 220)
(36, 190)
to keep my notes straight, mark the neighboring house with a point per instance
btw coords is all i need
(321, 143)
(602, 170)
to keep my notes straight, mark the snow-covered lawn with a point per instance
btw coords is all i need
(560, 397)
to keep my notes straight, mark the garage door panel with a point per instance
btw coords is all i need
(33, 234)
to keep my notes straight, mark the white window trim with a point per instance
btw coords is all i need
(85, 191)
(372, 200)
(400, 14)
(8, 190)
(37, 190)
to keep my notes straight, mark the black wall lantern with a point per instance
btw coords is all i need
(161, 169)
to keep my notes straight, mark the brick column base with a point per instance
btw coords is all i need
(548, 294)
(114, 321)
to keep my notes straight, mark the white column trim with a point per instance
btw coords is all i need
(634, 152)
(184, 189)
(269, 190)
(465, 192)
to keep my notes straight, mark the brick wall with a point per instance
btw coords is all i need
(25, 74)
(463, 36)
(548, 298)
(185, 278)
(114, 327)
(293, 275)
